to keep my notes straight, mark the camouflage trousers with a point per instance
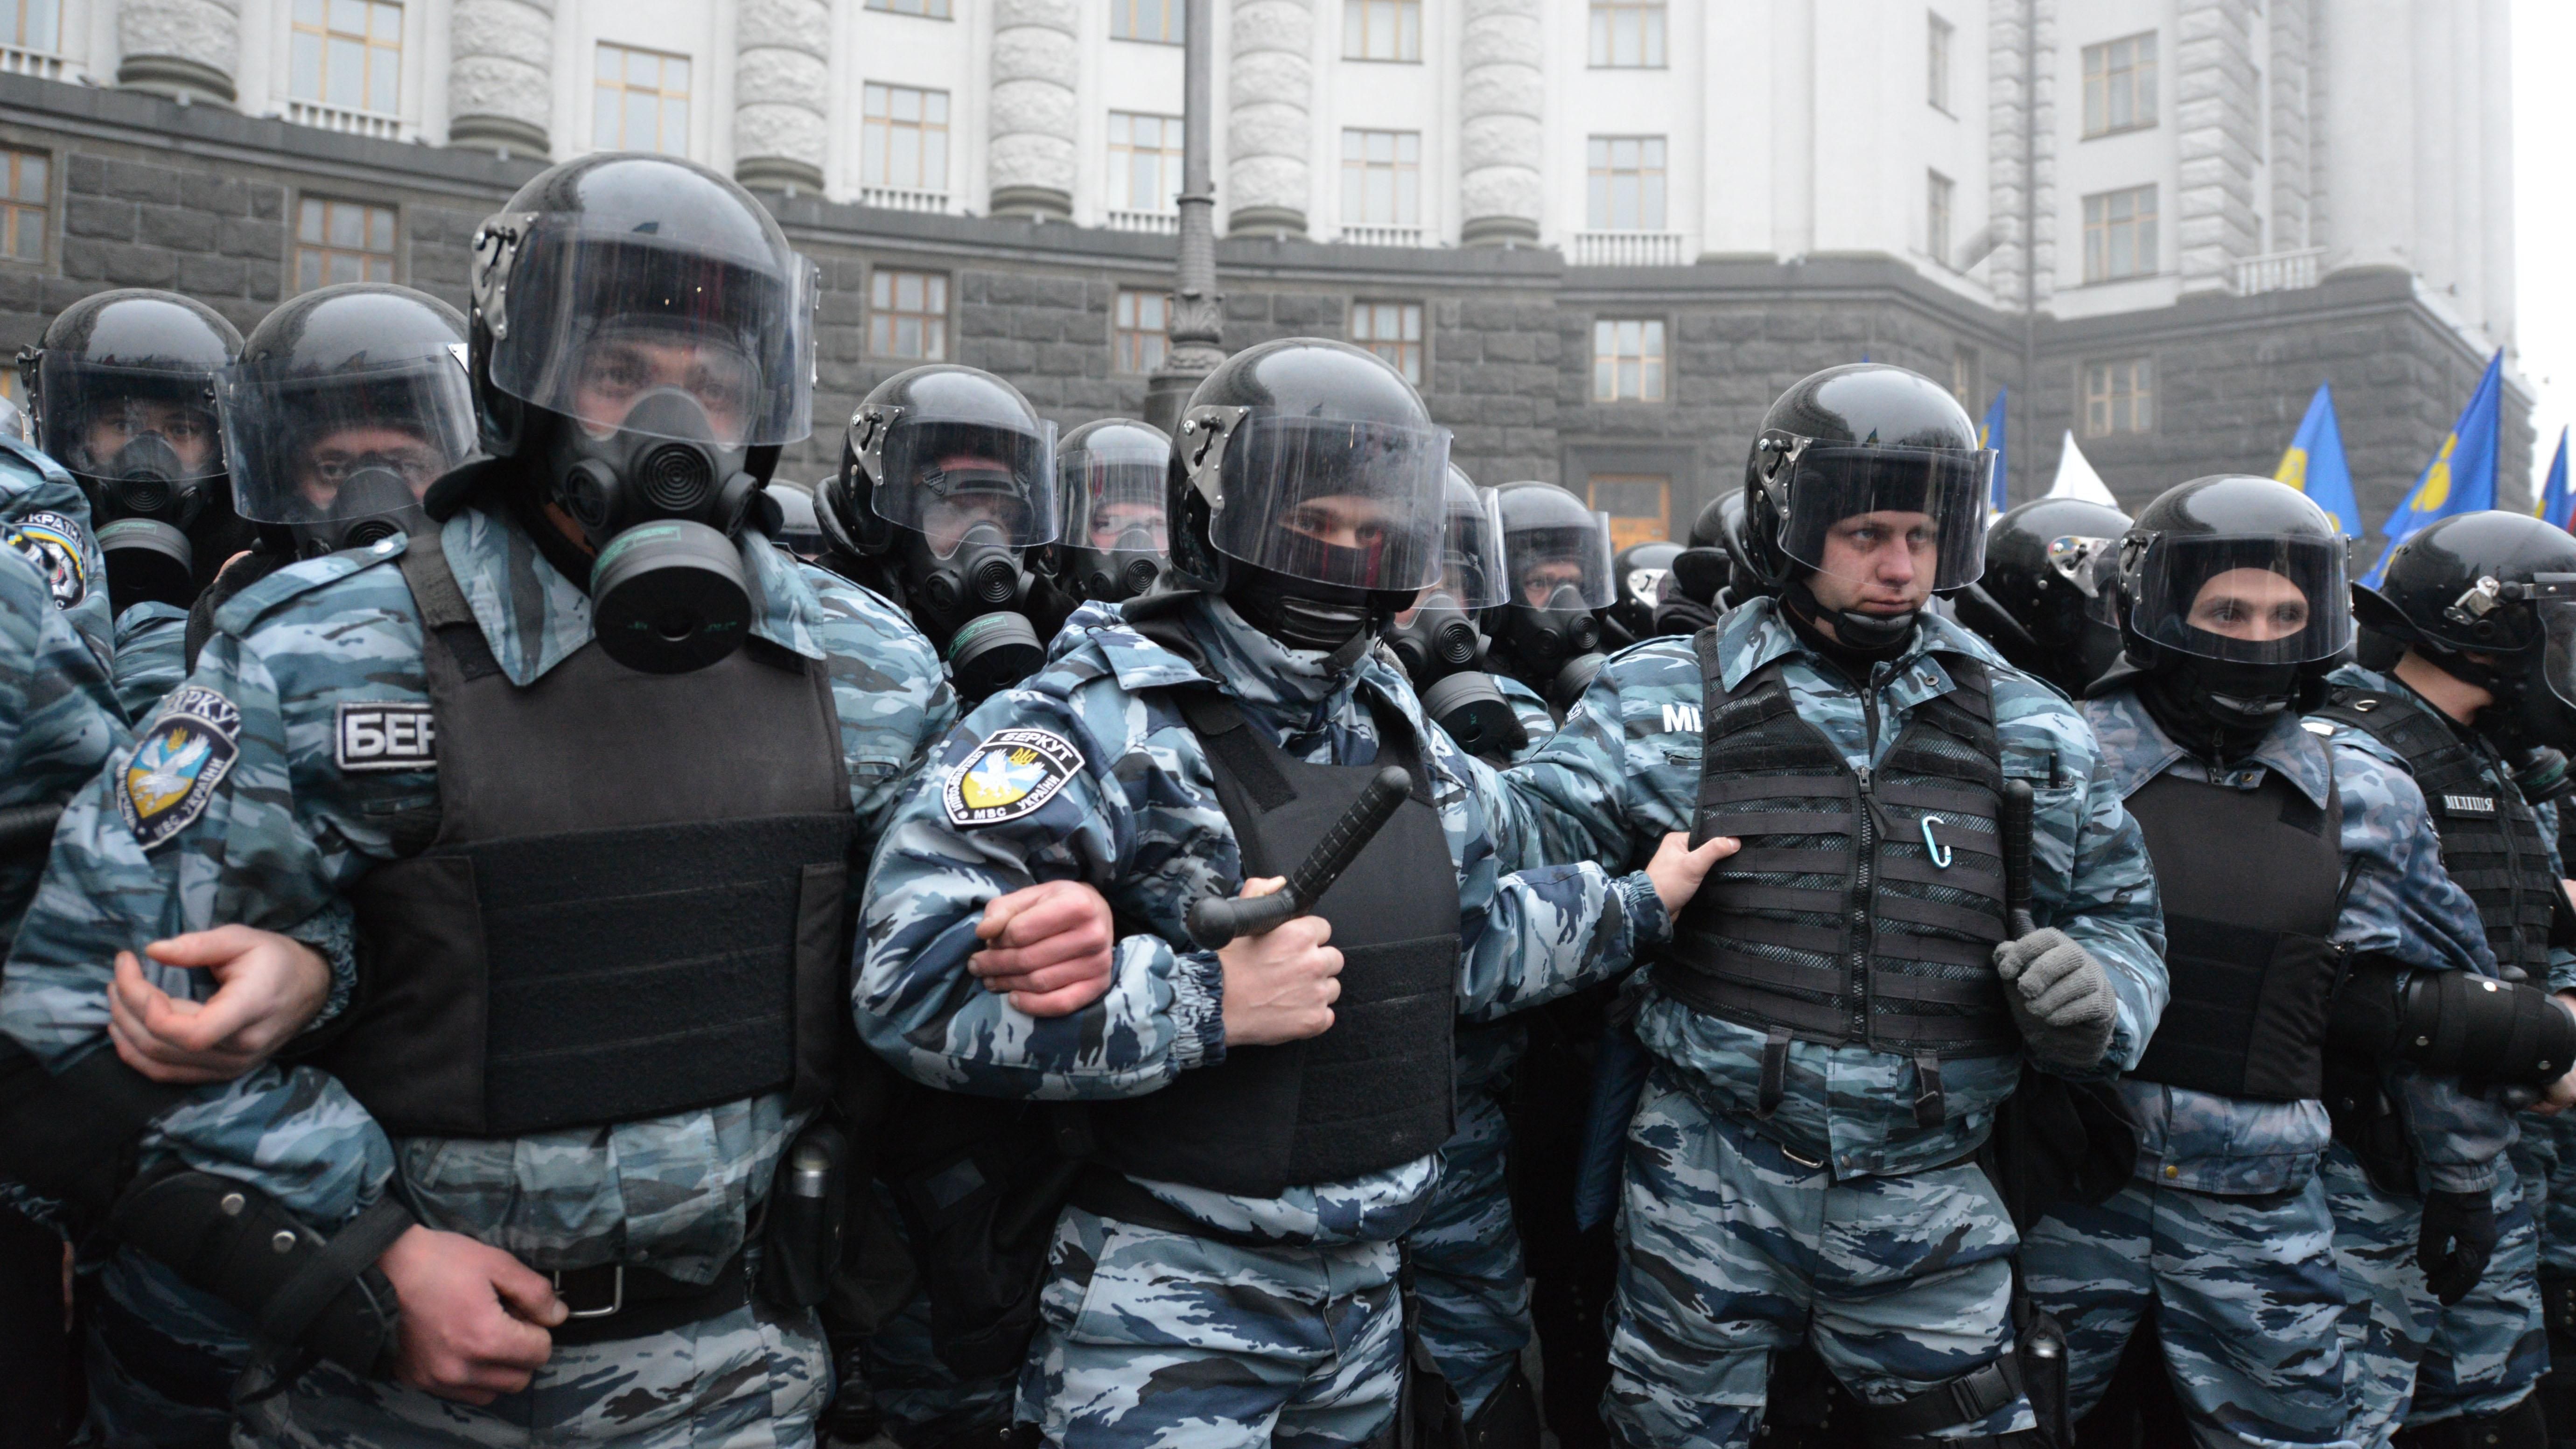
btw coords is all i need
(1468, 1280)
(2389, 1314)
(2558, 1216)
(2245, 1296)
(2489, 1349)
(1149, 1337)
(924, 1401)
(160, 1357)
(1730, 1248)
(753, 1378)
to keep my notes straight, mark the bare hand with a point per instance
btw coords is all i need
(1677, 869)
(1280, 986)
(2561, 1094)
(474, 1319)
(268, 988)
(1053, 947)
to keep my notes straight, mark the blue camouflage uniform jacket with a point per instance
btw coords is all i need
(2397, 902)
(271, 833)
(151, 655)
(1624, 769)
(46, 516)
(1137, 817)
(58, 717)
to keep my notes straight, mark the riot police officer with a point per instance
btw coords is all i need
(1110, 491)
(1638, 574)
(2036, 601)
(589, 759)
(1699, 582)
(2279, 854)
(1839, 1015)
(1263, 1117)
(1441, 643)
(1556, 571)
(947, 482)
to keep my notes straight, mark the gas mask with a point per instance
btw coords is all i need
(1124, 570)
(972, 604)
(374, 504)
(1444, 653)
(145, 504)
(660, 505)
(1555, 643)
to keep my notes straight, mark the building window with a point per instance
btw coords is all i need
(643, 101)
(2119, 397)
(1392, 330)
(908, 315)
(346, 53)
(933, 9)
(39, 26)
(22, 210)
(1640, 506)
(1381, 178)
(1161, 20)
(1936, 56)
(342, 241)
(1381, 29)
(1628, 359)
(1628, 34)
(1966, 375)
(1937, 192)
(2120, 234)
(2120, 85)
(904, 145)
(1143, 334)
(1144, 163)
(1627, 183)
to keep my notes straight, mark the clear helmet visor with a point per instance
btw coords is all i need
(1556, 552)
(949, 479)
(2248, 600)
(2556, 605)
(1471, 551)
(597, 320)
(1355, 504)
(1112, 491)
(1887, 515)
(347, 444)
(112, 422)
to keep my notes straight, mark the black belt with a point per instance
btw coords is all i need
(618, 1300)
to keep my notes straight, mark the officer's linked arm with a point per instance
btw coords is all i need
(2087, 985)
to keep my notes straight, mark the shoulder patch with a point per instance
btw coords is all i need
(186, 753)
(58, 546)
(1013, 773)
(385, 735)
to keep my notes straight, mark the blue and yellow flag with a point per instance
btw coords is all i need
(2554, 503)
(2462, 476)
(2314, 463)
(1992, 436)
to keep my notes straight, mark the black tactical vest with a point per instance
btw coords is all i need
(1374, 1090)
(2491, 845)
(2251, 881)
(633, 904)
(1865, 906)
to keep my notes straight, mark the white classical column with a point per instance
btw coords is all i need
(1270, 87)
(2369, 193)
(500, 76)
(780, 80)
(185, 49)
(1502, 95)
(1030, 161)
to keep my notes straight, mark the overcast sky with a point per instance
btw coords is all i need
(2544, 214)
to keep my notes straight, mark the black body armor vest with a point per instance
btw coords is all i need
(633, 904)
(1372, 1092)
(2491, 845)
(2251, 882)
(1865, 906)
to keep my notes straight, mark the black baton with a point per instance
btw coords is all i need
(28, 828)
(2016, 832)
(1217, 920)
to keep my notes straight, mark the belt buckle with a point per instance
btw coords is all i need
(616, 1296)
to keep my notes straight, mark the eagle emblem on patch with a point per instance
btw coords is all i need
(186, 753)
(57, 546)
(1011, 774)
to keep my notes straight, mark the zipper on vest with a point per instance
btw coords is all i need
(1865, 863)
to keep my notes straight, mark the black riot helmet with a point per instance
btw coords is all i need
(1307, 487)
(1111, 475)
(1556, 571)
(2231, 600)
(2490, 598)
(346, 405)
(122, 394)
(2046, 561)
(799, 531)
(947, 480)
(1865, 438)
(642, 344)
(1438, 640)
(1638, 574)
(1702, 569)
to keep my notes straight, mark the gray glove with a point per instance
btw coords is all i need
(2060, 998)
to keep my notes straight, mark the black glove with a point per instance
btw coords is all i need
(2458, 1235)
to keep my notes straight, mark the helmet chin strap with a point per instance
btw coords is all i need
(1862, 636)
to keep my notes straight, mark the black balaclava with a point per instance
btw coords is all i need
(2221, 711)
